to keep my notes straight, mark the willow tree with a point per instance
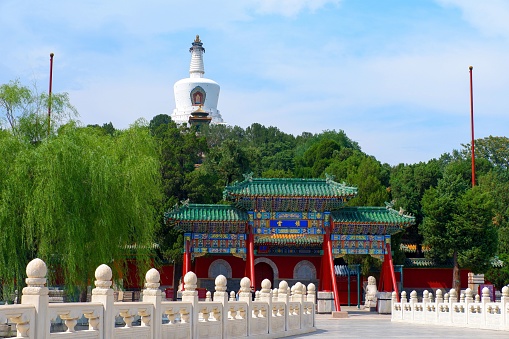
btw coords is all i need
(458, 224)
(76, 200)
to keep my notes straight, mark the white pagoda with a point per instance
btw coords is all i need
(196, 92)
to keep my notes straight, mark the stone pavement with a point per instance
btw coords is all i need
(364, 324)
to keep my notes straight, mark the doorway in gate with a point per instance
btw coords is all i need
(263, 271)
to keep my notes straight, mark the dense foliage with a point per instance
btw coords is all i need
(107, 189)
(76, 198)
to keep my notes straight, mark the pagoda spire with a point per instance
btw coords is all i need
(196, 69)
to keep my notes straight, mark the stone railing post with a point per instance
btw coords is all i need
(297, 295)
(485, 295)
(504, 300)
(439, 298)
(394, 299)
(275, 294)
(102, 293)
(469, 296)
(190, 295)
(453, 296)
(266, 296)
(220, 295)
(153, 295)
(36, 294)
(425, 298)
(282, 295)
(484, 300)
(413, 297)
(245, 291)
(246, 296)
(311, 294)
(403, 298)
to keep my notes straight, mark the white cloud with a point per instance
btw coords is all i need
(290, 8)
(489, 16)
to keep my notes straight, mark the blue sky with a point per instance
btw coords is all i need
(392, 74)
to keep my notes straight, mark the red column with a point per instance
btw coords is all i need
(332, 272)
(186, 265)
(391, 268)
(251, 259)
(325, 274)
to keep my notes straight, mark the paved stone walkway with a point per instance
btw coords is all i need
(363, 324)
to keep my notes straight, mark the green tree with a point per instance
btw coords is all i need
(493, 149)
(76, 200)
(497, 184)
(458, 223)
(407, 186)
(26, 111)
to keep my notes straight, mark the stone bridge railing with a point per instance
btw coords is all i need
(272, 314)
(470, 311)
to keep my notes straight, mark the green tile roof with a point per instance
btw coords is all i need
(371, 215)
(369, 220)
(305, 188)
(206, 212)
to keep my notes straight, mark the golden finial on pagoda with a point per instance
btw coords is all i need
(197, 38)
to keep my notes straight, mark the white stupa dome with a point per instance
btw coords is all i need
(196, 91)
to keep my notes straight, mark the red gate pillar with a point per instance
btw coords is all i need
(325, 274)
(388, 276)
(332, 276)
(251, 259)
(186, 265)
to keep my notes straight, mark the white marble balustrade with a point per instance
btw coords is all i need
(274, 313)
(445, 310)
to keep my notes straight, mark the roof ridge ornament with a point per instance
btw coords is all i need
(329, 178)
(389, 205)
(185, 203)
(248, 176)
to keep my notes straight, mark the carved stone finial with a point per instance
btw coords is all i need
(36, 278)
(153, 276)
(266, 286)
(245, 284)
(103, 275)
(152, 279)
(36, 269)
(190, 281)
(311, 288)
(485, 292)
(220, 283)
(283, 287)
(505, 291)
(413, 295)
(297, 288)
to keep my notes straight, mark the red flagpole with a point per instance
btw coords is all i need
(50, 85)
(472, 124)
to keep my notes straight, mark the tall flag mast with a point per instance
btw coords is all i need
(50, 85)
(472, 124)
